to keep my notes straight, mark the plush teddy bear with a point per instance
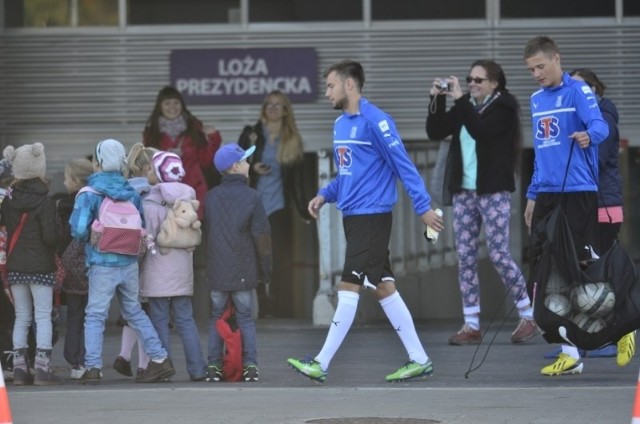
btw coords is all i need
(181, 227)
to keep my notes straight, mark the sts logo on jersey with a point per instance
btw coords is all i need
(344, 157)
(547, 128)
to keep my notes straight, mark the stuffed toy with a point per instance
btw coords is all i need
(181, 227)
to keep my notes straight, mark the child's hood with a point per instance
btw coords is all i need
(171, 192)
(112, 184)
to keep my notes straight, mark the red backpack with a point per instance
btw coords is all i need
(230, 333)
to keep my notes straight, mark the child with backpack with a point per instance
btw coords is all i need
(33, 233)
(167, 275)
(76, 284)
(239, 255)
(108, 215)
(137, 167)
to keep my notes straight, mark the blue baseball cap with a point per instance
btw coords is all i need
(229, 154)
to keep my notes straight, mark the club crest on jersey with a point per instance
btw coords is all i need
(344, 157)
(547, 128)
(354, 131)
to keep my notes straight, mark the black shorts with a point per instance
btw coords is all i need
(581, 210)
(367, 252)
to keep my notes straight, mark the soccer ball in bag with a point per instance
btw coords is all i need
(558, 304)
(589, 324)
(594, 299)
(555, 284)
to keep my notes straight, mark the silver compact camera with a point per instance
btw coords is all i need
(444, 86)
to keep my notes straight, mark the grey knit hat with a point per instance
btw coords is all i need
(27, 161)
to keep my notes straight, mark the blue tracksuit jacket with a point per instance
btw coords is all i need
(369, 156)
(558, 112)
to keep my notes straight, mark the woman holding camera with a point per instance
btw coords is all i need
(484, 125)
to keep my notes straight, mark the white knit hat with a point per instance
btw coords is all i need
(110, 155)
(27, 161)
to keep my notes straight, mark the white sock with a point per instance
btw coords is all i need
(571, 351)
(129, 337)
(526, 313)
(342, 320)
(400, 318)
(473, 321)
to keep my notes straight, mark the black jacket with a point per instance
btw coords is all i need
(36, 245)
(494, 131)
(292, 175)
(610, 180)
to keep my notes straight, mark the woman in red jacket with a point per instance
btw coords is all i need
(172, 127)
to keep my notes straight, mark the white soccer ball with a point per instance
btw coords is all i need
(594, 299)
(589, 324)
(556, 284)
(558, 304)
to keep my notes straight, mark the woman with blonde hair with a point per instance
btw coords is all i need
(276, 172)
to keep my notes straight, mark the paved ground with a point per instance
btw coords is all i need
(507, 388)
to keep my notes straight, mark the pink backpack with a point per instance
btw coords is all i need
(118, 227)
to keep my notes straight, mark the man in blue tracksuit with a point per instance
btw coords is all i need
(567, 128)
(370, 157)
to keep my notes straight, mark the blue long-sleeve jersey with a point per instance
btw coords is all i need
(558, 112)
(369, 156)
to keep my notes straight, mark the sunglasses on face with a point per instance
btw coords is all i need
(477, 80)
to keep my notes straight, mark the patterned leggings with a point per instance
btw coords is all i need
(470, 211)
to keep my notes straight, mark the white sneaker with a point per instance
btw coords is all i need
(77, 372)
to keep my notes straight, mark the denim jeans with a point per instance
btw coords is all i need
(160, 309)
(104, 283)
(74, 338)
(32, 300)
(243, 302)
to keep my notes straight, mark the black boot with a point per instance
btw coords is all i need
(21, 374)
(44, 374)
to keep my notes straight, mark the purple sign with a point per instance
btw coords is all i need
(223, 76)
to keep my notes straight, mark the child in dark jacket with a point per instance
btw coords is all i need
(239, 255)
(76, 283)
(31, 219)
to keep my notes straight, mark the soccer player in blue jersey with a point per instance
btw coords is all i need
(370, 157)
(567, 128)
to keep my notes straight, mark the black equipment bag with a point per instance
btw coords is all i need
(555, 272)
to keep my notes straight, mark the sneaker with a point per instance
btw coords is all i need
(466, 336)
(564, 365)
(410, 370)
(250, 373)
(122, 366)
(214, 374)
(77, 372)
(310, 368)
(626, 349)
(157, 372)
(92, 376)
(526, 330)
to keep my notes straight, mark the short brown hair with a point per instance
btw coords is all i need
(538, 44)
(348, 69)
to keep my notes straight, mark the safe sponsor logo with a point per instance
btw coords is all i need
(547, 130)
(344, 158)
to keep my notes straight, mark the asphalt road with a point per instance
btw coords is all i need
(507, 388)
